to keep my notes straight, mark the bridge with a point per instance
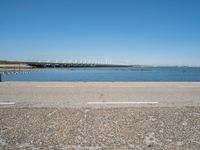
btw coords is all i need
(15, 67)
(70, 64)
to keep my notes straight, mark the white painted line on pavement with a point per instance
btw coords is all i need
(189, 86)
(91, 86)
(103, 103)
(154, 86)
(7, 103)
(54, 86)
(128, 86)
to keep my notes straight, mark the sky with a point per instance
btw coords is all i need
(146, 32)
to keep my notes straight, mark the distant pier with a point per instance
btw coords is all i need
(46, 64)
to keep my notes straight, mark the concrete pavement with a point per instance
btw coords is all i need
(99, 94)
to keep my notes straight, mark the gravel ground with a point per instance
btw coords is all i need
(37, 116)
(104, 128)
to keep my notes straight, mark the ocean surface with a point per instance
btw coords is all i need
(148, 74)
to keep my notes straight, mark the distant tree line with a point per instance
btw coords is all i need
(7, 62)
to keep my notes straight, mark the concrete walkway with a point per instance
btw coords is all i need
(100, 94)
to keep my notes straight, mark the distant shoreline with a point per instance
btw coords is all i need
(27, 64)
(14, 66)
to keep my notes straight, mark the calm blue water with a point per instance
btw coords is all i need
(110, 74)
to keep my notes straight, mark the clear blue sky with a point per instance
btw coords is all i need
(150, 32)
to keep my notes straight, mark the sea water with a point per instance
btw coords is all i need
(124, 74)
